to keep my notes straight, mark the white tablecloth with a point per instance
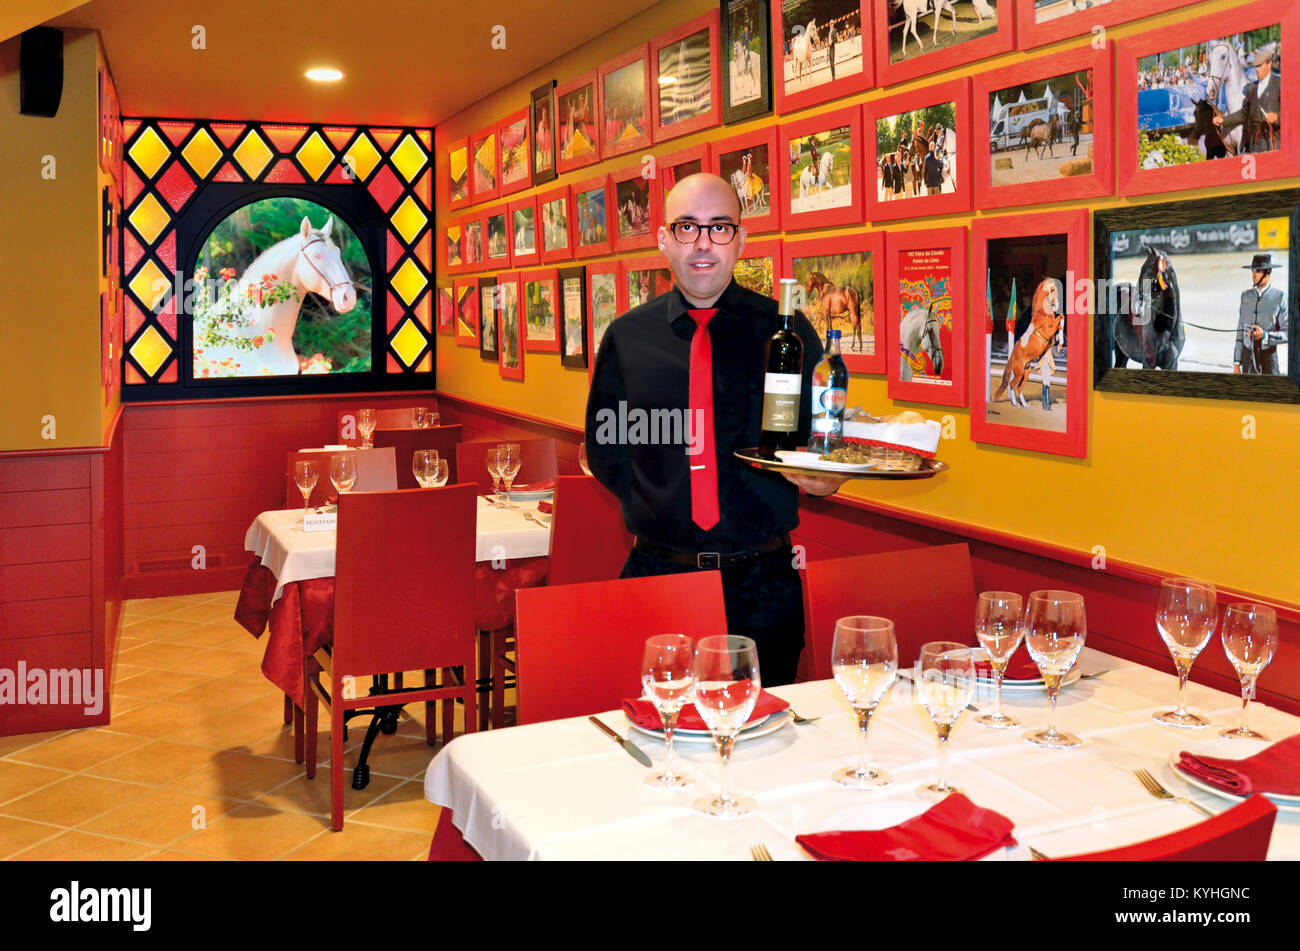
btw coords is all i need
(563, 790)
(277, 538)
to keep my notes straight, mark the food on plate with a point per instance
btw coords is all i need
(902, 441)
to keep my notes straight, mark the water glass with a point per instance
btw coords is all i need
(510, 463)
(864, 662)
(440, 472)
(366, 421)
(305, 477)
(424, 464)
(1250, 640)
(582, 458)
(667, 676)
(1186, 613)
(945, 683)
(343, 471)
(727, 686)
(493, 460)
(997, 628)
(1055, 628)
(420, 417)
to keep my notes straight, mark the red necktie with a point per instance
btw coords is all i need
(704, 478)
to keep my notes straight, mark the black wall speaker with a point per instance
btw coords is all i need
(40, 69)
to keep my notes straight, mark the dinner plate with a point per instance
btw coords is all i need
(1225, 748)
(1027, 685)
(532, 495)
(812, 460)
(763, 727)
(757, 460)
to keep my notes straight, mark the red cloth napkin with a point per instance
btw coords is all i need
(547, 485)
(954, 830)
(545, 507)
(1020, 667)
(642, 712)
(1275, 769)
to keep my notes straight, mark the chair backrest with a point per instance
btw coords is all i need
(929, 594)
(376, 470)
(387, 417)
(589, 541)
(404, 442)
(1241, 834)
(538, 462)
(578, 647)
(404, 581)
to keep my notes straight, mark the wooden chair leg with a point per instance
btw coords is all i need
(449, 708)
(336, 764)
(498, 679)
(298, 739)
(310, 718)
(288, 708)
(484, 670)
(430, 708)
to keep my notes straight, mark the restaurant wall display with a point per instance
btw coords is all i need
(684, 79)
(604, 301)
(577, 111)
(675, 166)
(925, 315)
(456, 175)
(759, 267)
(487, 318)
(540, 306)
(446, 309)
(485, 165)
(497, 236)
(555, 209)
(843, 281)
(541, 127)
(1039, 22)
(637, 205)
(465, 297)
(922, 37)
(746, 59)
(623, 88)
(822, 51)
(473, 255)
(515, 150)
(641, 281)
(592, 214)
(510, 327)
(524, 240)
(822, 182)
(751, 163)
(453, 246)
(573, 316)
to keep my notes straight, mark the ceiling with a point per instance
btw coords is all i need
(407, 62)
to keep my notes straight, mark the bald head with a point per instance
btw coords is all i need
(702, 269)
(687, 192)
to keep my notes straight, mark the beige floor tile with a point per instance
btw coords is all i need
(403, 808)
(124, 672)
(224, 694)
(159, 684)
(209, 611)
(238, 776)
(398, 755)
(82, 847)
(218, 663)
(153, 607)
(162, 656)
(73, 800)
(199, 635)
(80, 749)
(123, 705)
(362, 843)
(156, 763)
(251, 671)
(253, 833)
(225, 597)
(160, 628)
(313, 795)
(19, 834)
(171, 855)
(19, 779)
(245, 643)
(154, 719)
(229, 731)
(160, 816)
(11, 744)
(279, 745)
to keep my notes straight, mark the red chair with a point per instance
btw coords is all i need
(589, 541)
(387, 417)
(1241, 834)
(390, 618)
(578, 646)
(538, 464)
(929, 594)
(404, 442)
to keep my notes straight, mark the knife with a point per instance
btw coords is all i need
(632, 749)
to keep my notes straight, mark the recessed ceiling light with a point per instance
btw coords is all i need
(323, 75)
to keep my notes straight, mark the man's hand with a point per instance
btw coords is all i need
(1270, 118)
(1236, 368)
(1256, 333)
(816, 485)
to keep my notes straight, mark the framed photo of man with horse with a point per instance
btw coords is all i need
(925, 315)
(843, 281)
(922, 37)
(750, 163)
(1029, 365)
(824, 52)
(746, 41)
(1197, 298)
(1206, 103)
(636, 207)
(822, 159)
(1039, 22)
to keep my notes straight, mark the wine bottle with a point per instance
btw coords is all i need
(830, 391)
(782, 380)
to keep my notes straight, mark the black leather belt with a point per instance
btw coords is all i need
(709, 560)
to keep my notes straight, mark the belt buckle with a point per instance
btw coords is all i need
(703, 556)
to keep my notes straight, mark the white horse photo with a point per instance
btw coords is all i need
(1227, 75)
(801, 49)
(311, 262)
(819, 179)
(918, 333)
(915, 9)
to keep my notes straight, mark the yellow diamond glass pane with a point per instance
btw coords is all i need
(149, 152)
(149, 218)
(363, 156)
(201, 153)
(252, 154)
(409, 219)
(409, 342)
(457, 159)
(150, 351)
(409, 157)
(315, 155)
(408, 281)
(149, 284)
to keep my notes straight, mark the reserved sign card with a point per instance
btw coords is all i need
(320, 522)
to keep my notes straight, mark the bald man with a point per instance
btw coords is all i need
(648, 435)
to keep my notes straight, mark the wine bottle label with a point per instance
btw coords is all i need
(781, 402)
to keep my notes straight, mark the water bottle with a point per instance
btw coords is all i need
(830, 390)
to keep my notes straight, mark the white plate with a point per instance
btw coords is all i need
(1027, 685)
(762, 728)
(531, 496)
(812, 460)
(1225, 748)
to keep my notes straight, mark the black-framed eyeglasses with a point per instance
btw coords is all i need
(719, 232)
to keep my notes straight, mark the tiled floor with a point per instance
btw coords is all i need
(197, 762)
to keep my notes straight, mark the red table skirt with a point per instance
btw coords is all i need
(302, 621)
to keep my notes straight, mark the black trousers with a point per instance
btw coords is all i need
(764, 600)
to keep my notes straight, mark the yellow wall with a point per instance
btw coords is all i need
(49, 258)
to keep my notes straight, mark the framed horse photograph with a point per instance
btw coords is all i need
(540, 297)
(1205, 103)
(496, 236)
(515, 147)
(510, 328)
(485, 167)
(1045, 130)
(922, 37)
(675, 166)
(918, 153)
(759, 267)
(925, 315)
(487, 318)
(465, 300)
(1039, 22)
(573, 317)
(577, 142)
(636, 207)
(555, 209)
(457, 176)
(623, 96)
(524, 240)
(822, 181)
(750, 163)
(824, 51)
(1196, 298)
(446, 309)
(603, 300)
(684, 79)
(473, 255)
(746, 61)
(541, 127)
(1029, 386)
(592, 210)
(843, 281)
(642, 280)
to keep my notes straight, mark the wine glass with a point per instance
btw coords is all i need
(440, 472)
(432, 419)
(582, 458)
(1249, 640)
(1186, 613)
(864, 661)
(343, 471)
(667, 675)
(305, 477)
(945, 684)
(423, 465)
(366, 426)
(997, 627)
(727, 686)
(493, 460)
(1055, 628)
(420, 417)
(510, 462)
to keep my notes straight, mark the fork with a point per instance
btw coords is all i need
(1036, 855)
(534, 519)
(799, 719)
(759, 853)
(1152, 785)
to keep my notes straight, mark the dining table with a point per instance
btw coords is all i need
(562, 790)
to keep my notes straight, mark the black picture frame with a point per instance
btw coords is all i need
(762, 30)
(1283, 387)
(565, 274)
(542, 98)
(488, 283)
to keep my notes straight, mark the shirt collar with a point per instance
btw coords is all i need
(679, 307)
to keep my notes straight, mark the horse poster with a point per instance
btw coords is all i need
(747, 162)
(824, 53)
(487, 312)
(916, 153)
(1042, 130)
(625, 103)
(634, 212)
(577, 139)
(685, 83)
(841, 279)
(823, 160)
(510, 355)
(758, 267)
(925, 315)
(573, 300)
(541, 329)
(591, 218)
(602, 300)
(557, 224)
(746, 60)
(541, 120)
(516, 173)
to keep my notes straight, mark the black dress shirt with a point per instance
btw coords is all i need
(644, 365)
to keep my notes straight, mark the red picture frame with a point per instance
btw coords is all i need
(548, 275)
(1099, 118)
(1001, 40)
(493, 261)
(480, 149)
(853, 347)
(620, 143)
(448, 190)
(553, 254)
(1082, 22)
(821, 217)
(796, 99)
(522, 255)
(1258, 166)
(452, 239)
(774, 195)
(961, 199)
(587, 121)
(630, 266)
(473, 249)
(667, 168)
(1073, 441)
(582, 225)
(445, 311)
(599, 278)
(765, 248)
(525, 180)
(952, 263)
(622, 181)
(712, 114)
(508, 285)
(465, 312)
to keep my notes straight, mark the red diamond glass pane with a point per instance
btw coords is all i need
(133, 188)
(424, 252)
(133, 376)
(425, 365)
(128, 128)
(336, 177)
(228, 134)
(228, 173)
(169, 375)
(385, 188)
(167, 318)
(424, 190)
(339, 135)
(176, 131)
(167, 251)
(422, 314)
(284, 138)
(133, 317)
(425, 137)
(176, 186)
(393, 365)
(395, 312)
(131, 252)
(395, 249)
(386, 138)
(284, 172)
